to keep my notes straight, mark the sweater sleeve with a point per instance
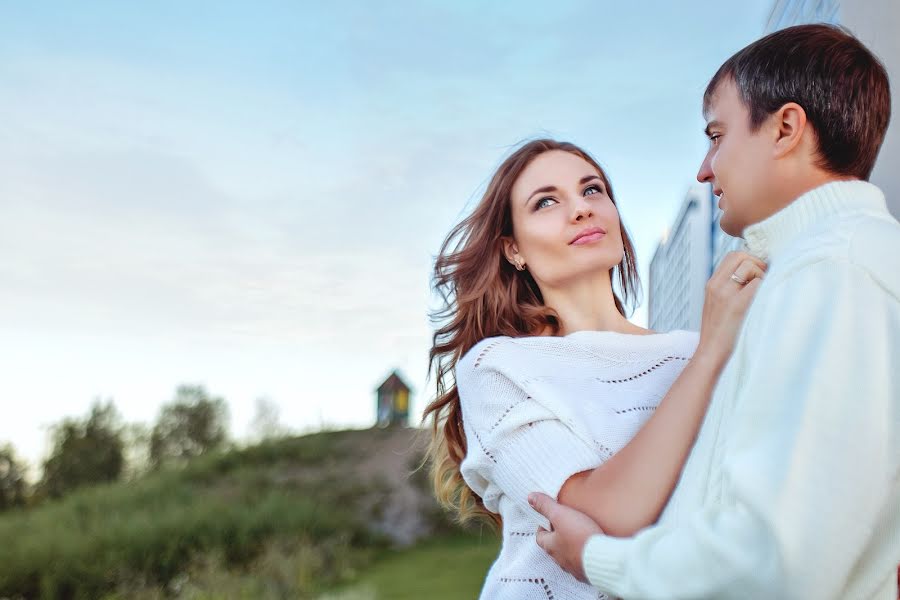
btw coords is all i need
(810, 458)
(516, 444)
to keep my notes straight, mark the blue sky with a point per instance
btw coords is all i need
(250, 195)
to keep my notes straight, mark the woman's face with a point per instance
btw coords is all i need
(565, 225)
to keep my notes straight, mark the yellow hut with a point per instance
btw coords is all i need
(393, 402)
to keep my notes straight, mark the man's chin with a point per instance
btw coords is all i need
(729, 227)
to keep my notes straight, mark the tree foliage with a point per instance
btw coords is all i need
(266, 423)
(84, 451)
(13, 487)
(193, 424)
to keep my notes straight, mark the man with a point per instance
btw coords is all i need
(792, 489)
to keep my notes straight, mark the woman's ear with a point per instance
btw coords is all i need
(510, 249)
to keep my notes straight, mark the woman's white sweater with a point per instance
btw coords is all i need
(537, 410)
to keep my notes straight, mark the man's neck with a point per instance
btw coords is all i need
(835, 196)
(793, 189)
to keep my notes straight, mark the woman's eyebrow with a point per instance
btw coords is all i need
(542, 190)
(551, 188)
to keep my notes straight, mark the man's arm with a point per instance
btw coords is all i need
(808, 463)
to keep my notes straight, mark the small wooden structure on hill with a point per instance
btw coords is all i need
(393, 402)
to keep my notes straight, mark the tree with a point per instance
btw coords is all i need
(191, 425)
(265, 424)
(12, 479)
(84, 452)
(137, 450)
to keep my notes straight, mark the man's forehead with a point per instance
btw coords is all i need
(714, 107)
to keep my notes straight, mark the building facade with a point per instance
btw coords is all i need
(682, 264)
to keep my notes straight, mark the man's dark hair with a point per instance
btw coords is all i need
(840, 84)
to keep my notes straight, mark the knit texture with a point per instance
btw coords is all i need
(792, 489)
(537, 410)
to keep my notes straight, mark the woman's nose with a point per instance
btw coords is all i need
(581, 208)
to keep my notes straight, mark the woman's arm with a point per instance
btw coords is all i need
(629, 491)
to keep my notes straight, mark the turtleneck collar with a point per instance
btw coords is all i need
(768, 237)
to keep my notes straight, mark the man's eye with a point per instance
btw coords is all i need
(714, 139)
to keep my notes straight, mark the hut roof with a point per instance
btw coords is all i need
(393, 383)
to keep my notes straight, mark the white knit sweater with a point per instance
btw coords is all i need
(792, 490)
(537, 410)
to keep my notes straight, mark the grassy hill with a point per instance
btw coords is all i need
(303, 517)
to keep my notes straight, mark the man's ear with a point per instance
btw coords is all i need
(789, 123)
(510, 249)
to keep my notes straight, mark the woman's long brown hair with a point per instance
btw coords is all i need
(485, 296)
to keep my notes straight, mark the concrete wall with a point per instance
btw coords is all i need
(877, 24)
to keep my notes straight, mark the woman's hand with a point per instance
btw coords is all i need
(728, 295)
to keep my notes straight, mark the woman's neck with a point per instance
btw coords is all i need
(588, 304)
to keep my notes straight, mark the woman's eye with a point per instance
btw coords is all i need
(714, 139)
(543, 203)
(592, 189)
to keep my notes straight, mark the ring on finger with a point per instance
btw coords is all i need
(738, 280)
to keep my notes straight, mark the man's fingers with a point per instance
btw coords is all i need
(543, 503)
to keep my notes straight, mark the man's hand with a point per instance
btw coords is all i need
(569, 533)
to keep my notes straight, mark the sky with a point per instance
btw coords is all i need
(250, 196)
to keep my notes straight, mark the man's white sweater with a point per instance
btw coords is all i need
(792, 489)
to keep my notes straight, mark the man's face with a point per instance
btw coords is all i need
(738, 163)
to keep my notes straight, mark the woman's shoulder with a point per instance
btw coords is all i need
(503, 349)
(507, 356)
(680, 339)
(487, 350)
(635, 345)
(685, 340)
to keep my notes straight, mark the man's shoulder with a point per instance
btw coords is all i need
(876, 232)
(866, 242)
(874, 247)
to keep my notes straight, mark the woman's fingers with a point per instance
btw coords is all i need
(747, 271)
(732, 262)
(745, 296)
(729, 293)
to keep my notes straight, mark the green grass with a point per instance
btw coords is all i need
(446, 568)
(285, 519)
(148, 532)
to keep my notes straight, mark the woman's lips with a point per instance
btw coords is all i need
(588, 235)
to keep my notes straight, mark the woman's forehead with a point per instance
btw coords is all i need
(553, 168)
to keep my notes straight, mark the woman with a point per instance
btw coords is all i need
(553, 389)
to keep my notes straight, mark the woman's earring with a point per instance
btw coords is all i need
(520, 266)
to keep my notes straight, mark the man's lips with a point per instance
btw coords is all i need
(586, 236)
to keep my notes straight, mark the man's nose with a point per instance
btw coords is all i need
(705, 173)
